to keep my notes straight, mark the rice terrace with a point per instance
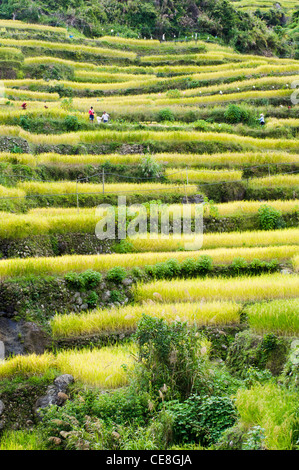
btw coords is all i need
(149, 235)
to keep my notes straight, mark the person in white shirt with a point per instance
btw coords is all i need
(105, 117)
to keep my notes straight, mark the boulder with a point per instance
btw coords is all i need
(55, 394)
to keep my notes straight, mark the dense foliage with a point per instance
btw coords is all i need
(257, 31)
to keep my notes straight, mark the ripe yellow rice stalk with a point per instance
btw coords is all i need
(131, 41)
(276, 181)
(98, 77)
(226, 209)
(274, 286)
(239, 96)
(69, 187)
(194, 176)
(11, 192)
(217, 240)
(231, 87)
(278, 316)
(295, 262)
(178, 160)
(27, 94)
(98, 136)
(103, 321)
(104, 52)
(32, 364)
(239, 208)
(99, 367)
(58, 60)
(22, 158)
(274, 123)
(63, 264)
(16, 24)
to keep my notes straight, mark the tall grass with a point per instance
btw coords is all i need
(274, 286)
(278, 316)
(21, 440)
(273, 408)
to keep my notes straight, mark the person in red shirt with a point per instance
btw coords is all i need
(91, 114)
(24, 105)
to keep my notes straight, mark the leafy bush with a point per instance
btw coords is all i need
(165, 115)
(92, 299)
(202, 418)
(116, 274)
(235, 114)
(88, 279)
(269, 217)
(71, 123)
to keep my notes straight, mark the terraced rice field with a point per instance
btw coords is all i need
(172, 135)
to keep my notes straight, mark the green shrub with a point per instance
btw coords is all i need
(269, 218)
(235, 114)
(72, 123)
(165, 115)
(117, 274)
(92, 299)
(202, 418)
(170, 364)
(88, 279)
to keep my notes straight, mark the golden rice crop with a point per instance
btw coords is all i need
(239, 208)
(100, 367)
(271, 286)
(178, 160)
(242, 84)
(276, 181)
(22, 158)
(63, 264)
(27, 94)
(16, 24)
(11, 192)
(31, 364)
(278, 316)
(295, 262)
(58, 60)
(69, 187)
(192, 176)
(69, 47)
(126, 318)
(239, 96)
(217, 240)
(98, 136)
(225, 209)
(92, 76)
